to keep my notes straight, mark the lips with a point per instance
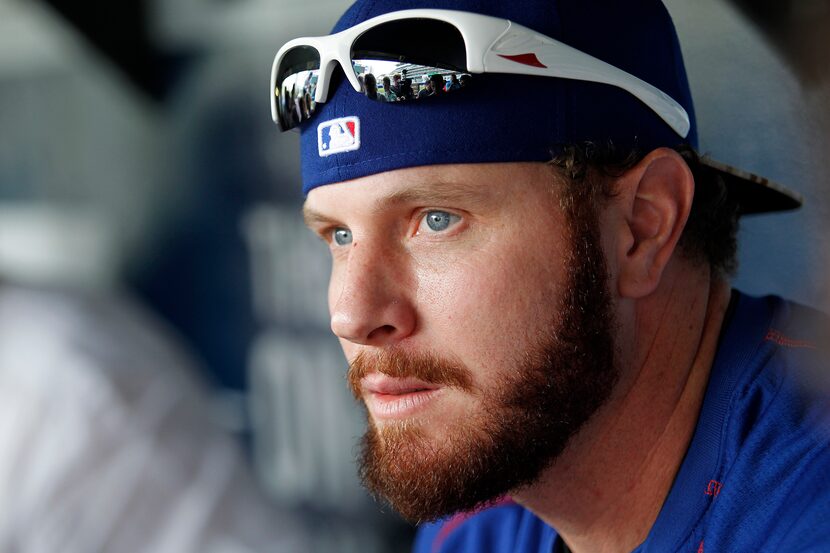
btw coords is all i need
(389, 398)
(377, 383)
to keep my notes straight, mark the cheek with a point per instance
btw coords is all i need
(484, 303)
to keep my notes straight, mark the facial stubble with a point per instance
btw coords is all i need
(525, 419)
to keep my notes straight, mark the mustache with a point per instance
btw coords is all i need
(428, 367)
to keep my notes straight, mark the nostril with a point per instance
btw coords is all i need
(381, 332)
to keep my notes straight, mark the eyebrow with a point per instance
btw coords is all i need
(314, 218)
(437, 193)
(468, 194)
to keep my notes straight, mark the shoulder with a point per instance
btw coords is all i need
(776, 438)
(786, 377)
(502, 528)
(777, 348)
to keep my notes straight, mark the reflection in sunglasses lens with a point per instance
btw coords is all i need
(410, 59)
(389, 81)
(295, 95)
(296, 85)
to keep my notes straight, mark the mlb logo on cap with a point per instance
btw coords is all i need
(338, 135)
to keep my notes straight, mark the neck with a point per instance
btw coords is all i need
(605, 491)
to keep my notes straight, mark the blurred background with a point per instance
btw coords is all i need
(139, 168)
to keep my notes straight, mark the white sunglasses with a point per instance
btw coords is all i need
(405, 46)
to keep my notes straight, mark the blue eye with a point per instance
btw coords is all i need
(342, 236)
(438, 221)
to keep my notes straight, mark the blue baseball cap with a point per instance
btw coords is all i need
(515, 118)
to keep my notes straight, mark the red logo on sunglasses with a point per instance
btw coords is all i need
(525, 59)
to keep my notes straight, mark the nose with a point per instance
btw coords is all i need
(370, 304)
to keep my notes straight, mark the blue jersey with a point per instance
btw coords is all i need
(756, 476)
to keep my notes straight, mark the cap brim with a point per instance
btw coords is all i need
(755, 194)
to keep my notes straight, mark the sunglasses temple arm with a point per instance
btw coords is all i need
(559, 60)
(658, 101)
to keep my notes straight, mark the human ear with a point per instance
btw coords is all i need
(655, 197)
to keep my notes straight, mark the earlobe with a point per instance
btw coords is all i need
(656, 198)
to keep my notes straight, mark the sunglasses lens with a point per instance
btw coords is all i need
(410, 59)
(297, 78)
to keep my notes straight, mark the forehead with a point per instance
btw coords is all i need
(466, 186)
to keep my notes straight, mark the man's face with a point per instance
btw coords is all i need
(475, 315)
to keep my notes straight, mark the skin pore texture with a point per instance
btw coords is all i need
(447, 283)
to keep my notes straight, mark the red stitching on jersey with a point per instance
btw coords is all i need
(713, 488)
(778, 338)
(700, 549)
(460, 518)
